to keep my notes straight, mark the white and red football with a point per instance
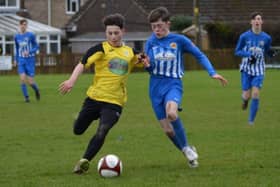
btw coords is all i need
(109, 166)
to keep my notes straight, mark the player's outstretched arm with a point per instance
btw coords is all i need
(67, 85)
(223, 81)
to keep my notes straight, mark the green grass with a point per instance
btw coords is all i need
(38, 148)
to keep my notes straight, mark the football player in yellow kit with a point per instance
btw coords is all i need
(113, 62)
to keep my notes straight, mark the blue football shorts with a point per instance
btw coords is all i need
(27, 66)
(249, 81)
(162, 91)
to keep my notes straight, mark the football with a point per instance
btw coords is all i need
(109, 166)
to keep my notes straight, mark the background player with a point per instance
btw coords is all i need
(106, 96)
(25, 52)
(252, 46)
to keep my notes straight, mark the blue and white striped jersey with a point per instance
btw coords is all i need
(251, 44)
(25, 42)
(166, 55)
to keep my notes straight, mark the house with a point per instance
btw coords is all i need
(85, 28)
(55, 13)
(80, 21)
(48, 37)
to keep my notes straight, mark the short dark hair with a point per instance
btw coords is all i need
(22, 21)
(114, 19)
(159, 13)
(254, 14)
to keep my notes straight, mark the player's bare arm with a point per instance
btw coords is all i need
(67, 85)
(223, 81)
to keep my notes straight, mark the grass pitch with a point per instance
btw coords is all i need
(38, 147)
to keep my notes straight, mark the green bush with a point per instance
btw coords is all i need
(221, 35)
(180, 22)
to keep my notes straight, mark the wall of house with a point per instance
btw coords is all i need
(91, 20)
(38, 10)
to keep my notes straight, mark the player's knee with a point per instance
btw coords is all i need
(255, 95)
(172, 116)
(246, 95)
(78, 131)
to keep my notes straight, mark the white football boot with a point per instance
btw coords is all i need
(192, 156)
(81, 167)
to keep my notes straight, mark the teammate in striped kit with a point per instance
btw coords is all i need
(164, 62)
(26, 48)
(253, 45)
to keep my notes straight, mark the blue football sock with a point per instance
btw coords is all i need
(24, 90)
(35, 87)
(180, 133)
(175, 141)
(253, 109)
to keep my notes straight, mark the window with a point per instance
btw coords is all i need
(49, 44)
(72, 6)
(1, 46)
(9, 45)
(9, 49)
(13, 4)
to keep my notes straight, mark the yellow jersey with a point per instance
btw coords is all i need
(112, 65)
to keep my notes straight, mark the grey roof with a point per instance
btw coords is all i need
(100, 36)
(9, 26)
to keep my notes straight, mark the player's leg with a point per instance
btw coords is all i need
(169, 131)
(157, 100)
(22, 77)
(257, 84)
(34, 86)
(30, 71)
(175, 121)
(24, 87)
(180, 134)
(172, 100)
(246, 89)
(159, 110)
(160, 97)
(109, 116)
(89, 112)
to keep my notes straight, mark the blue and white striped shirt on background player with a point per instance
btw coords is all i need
(25, 43)
(166, 55)
(257, 45)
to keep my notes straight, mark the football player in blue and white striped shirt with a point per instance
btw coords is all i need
(26, 47)
(164, 62)
(253, 45)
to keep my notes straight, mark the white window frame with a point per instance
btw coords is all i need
(2, 45)
(48, 42)
(69, 8)
(4, 42)
(5, 7)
